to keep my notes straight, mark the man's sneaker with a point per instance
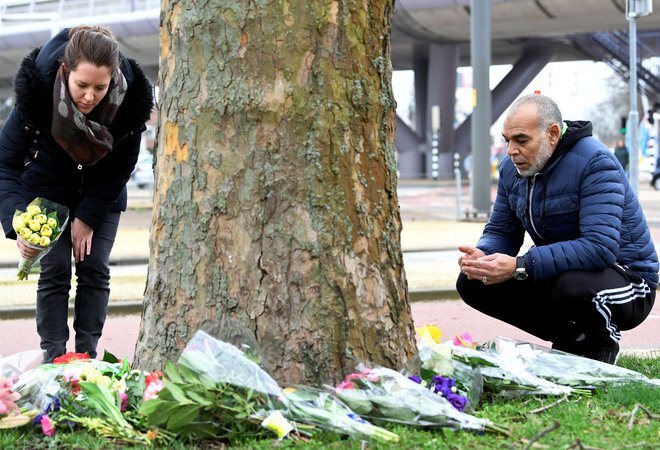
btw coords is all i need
(604, 354)
(584, 348)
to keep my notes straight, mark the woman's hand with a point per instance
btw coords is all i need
(26, 251)
(81, 239)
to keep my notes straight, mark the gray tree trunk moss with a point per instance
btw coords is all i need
(276, 217)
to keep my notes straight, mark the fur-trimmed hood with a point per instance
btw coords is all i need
(33, 86)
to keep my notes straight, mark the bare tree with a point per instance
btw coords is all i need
(275, 208)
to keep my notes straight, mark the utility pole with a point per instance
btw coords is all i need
(634, 9)
(481, 101)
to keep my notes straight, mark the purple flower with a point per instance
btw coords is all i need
(457, 401)
(416, 379)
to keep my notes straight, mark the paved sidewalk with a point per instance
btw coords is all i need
(429, 215)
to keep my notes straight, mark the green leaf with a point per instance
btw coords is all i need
(177, 393)
(172, 373)
(100, 399)
(148, 407)
(162, 414)
(109, 357)
(199, 398)
(184, 417)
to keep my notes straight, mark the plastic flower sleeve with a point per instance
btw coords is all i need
(387, 395)
(563, 368)
(224, 363)
(323, 410)
(506, 375)
(39, 227)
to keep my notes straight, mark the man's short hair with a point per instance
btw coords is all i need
(547, 109)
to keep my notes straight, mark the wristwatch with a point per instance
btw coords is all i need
(520, 272)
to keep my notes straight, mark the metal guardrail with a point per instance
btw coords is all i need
(26, 12)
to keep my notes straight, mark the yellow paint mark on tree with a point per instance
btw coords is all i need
(334, 10)
(172, 145)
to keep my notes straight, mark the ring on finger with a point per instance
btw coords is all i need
(484, 279)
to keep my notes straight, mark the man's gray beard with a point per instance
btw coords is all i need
(545, 152)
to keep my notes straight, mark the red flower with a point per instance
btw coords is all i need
(69, 357)
(152, 377)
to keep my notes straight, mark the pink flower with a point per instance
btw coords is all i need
(124, 401)
(152, 389)
(464, 340)
(346, 384)
(47, 426)
(7, 397)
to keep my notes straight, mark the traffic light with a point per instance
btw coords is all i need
(623, 125)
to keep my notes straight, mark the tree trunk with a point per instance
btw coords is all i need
(276, 219)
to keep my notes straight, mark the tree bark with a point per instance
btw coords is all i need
(276, 220)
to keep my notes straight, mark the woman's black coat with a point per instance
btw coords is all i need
(33, 165)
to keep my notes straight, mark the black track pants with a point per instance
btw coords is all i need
(597, 304)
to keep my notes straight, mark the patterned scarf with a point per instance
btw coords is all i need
(85, 140)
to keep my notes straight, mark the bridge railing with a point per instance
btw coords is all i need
(25, 12)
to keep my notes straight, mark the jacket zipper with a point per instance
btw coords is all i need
(530, 195)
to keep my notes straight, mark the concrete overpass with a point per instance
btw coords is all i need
(431, 37)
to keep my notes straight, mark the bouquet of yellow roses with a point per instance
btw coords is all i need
(39, 226)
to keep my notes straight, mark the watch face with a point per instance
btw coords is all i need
(520, 274)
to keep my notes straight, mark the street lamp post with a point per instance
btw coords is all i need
(634, 9)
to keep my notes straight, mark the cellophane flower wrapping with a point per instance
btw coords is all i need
(495, 374)
(324, 410)
(39, 227)
(214, 390)
(560, 367)
(384, 394)
(224, 363)
(506, 376)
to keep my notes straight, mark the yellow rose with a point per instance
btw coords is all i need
(432, 330)
(41, 218)
(52, 222)
(25, 233)
(33, 210)
(18, 223)
(44, 241)
(46, 231)
(34, 239)
(34, 225)
(26, 216)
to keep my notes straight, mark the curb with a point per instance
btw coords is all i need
(128, 307)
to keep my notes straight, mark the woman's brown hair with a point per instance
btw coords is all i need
(93, 44)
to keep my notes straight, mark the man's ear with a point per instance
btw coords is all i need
(554, 133)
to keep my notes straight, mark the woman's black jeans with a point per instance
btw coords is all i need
(92, 292)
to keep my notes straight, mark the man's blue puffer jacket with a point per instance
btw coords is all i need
(583, 213)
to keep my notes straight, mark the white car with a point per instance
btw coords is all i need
(143, 174)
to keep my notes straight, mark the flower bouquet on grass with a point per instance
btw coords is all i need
(383, 394)
(500, 376)
(215, 391)
(39, 226)
(441, 373)
(562, 368)
(323, 410)
(101, 396)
